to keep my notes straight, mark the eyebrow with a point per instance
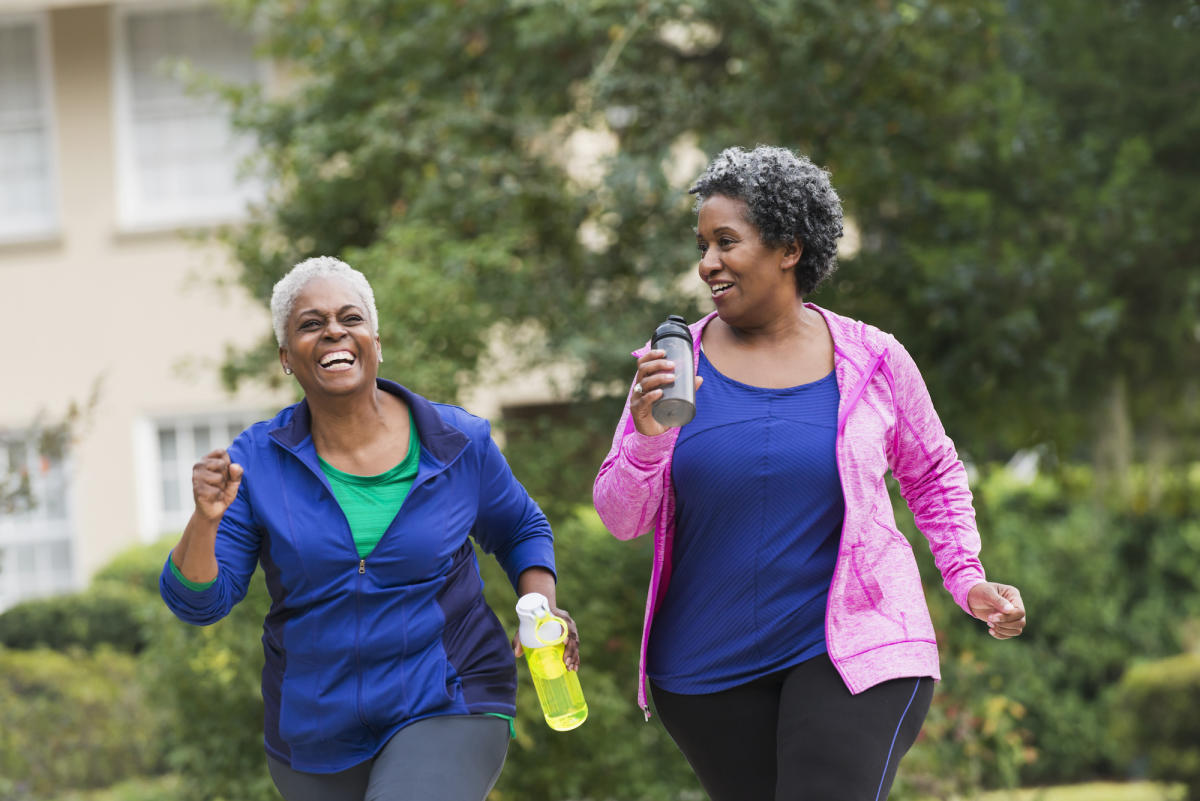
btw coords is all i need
(320, 313)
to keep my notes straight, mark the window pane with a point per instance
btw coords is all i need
(186, 155)
(25, 192)
(201, 441)
(166, 445)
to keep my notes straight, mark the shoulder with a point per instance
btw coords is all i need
(855, 338)
(472, 425)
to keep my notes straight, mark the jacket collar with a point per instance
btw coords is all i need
(440, 439)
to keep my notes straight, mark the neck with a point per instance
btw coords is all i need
(345, 423)
(779, 326)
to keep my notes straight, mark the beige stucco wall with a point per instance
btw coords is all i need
(140, 312)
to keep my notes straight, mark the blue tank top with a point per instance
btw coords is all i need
(758, 517)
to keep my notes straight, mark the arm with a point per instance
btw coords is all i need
(509, 524)
(219, 546)
(932, 479)
(633, 478)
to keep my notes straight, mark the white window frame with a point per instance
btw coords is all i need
(37, 527)
(154, 519)
(135, 213)
(51, 227)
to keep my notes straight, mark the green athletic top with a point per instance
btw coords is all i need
(370, 503)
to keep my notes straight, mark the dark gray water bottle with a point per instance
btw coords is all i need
(677, 405)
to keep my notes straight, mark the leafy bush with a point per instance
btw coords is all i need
(137, 567)
(1158, 720)
(1103, 586)
(106, 614)
(74, 720)
(615, 753)
(207, 680)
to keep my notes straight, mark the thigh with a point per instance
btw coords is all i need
(449, 758)
(294, 785)
(727, 737)
(834, 746)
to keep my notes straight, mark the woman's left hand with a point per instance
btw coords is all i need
(571, 647)
(1000, 605)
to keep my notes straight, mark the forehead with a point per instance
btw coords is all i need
(326, 293)
(722, 211)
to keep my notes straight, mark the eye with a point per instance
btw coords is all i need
(725, 241)
(702, 246)
(309, 325)
(353, 318)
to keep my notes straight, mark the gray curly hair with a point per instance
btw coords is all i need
(788, 198)
(288, 288)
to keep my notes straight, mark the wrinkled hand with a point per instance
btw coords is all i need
(215, 482)
(654, 372)
(1000, 605)
(570, 647)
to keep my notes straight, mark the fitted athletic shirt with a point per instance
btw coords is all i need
(370, 503)
(759, 511)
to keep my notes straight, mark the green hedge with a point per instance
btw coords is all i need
(106, 614)
(73, 720)
(1158, 718)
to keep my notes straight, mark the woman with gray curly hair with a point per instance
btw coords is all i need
(787, 642)
(386, 675)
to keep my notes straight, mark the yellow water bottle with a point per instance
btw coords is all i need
(543, 637)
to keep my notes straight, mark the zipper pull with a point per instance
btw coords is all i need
(362, 566)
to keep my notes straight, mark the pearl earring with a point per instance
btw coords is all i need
(287, 371)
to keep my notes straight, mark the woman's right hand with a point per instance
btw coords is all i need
(653, 373)
(215, 482)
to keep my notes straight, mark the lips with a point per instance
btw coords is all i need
(720, 289)
(337, 360)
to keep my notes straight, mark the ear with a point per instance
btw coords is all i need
(283, 360)
(791, 254)
(379, 348)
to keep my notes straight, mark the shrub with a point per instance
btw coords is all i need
(207, 681)
(107, 614)
(1159, 718)
(75, 720)
(1103, 585)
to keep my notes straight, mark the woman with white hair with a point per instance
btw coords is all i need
(386, 676)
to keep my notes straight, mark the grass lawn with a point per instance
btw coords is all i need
(1097, 791)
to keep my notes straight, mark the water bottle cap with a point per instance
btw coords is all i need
(673, 326)
(539, 626)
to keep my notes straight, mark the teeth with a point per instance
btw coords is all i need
(720, 287)
(336, 356)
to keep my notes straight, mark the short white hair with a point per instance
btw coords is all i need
(283, 296)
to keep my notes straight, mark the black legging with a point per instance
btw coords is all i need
(797, 735)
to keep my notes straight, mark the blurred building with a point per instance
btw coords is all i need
(111, 172)
(108, 171)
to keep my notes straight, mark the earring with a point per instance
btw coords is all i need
(287, 371)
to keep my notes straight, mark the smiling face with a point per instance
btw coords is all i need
(330, 345)
(750, 282)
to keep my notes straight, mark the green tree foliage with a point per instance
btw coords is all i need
(1020, 175)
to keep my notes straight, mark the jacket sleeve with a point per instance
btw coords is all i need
(632, 483)
(238, 541)
(933, 479)
(509, 524)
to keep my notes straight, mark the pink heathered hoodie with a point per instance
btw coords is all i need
(877, 624)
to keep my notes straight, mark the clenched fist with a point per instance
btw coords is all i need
(215, 482)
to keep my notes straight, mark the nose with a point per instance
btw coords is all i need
(334, 330)
(710, 262)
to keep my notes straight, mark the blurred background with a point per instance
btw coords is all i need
(1019, 180)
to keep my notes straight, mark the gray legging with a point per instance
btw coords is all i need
(452, 758)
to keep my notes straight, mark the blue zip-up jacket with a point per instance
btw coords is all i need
(357, 649)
